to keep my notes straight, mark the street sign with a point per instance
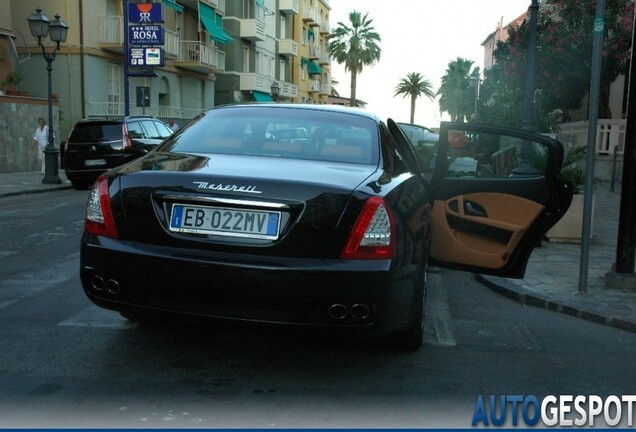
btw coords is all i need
(145, 13)
(149, 35)
(144, 56)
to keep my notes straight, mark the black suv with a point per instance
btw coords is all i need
(96, 145)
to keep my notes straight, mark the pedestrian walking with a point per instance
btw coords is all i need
(173, 125)
(40, 139)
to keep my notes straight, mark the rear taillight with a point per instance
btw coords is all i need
(99, 214)
(126, 139)
(373, 235)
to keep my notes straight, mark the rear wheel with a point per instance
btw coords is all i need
(80, 185)
(412, 339)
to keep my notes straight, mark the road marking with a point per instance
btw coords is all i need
(96, 317)
(439, 325)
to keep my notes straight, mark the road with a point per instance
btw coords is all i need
(67, 363)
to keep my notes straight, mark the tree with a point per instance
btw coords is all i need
(414, 85)
(565, 32)
(456, 96)
(355, 46)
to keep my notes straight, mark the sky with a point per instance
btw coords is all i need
(418, 36)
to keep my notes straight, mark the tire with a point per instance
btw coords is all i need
(413, 338)
(134, 317)
(79, 185)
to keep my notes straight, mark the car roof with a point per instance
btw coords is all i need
(118, 119)
(310, 107)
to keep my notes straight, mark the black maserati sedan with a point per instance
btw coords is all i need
(314, 215)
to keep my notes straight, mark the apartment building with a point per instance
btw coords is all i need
(214, 52)
(276, 41)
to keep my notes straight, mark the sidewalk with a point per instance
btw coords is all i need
(19, 183)
(552, 276)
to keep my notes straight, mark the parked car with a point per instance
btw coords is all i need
(309, 215)
(96, 145)
(423, 140)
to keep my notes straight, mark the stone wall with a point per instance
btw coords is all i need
(18, 121)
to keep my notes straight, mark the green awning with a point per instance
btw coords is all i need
(261, 3)
(173, 4)
(213, 23)
(262, 97)
(313, 68)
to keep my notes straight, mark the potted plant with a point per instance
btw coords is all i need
(12, 82)
(570, 228)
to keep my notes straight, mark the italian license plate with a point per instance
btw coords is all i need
(95, 162)
(225, 221)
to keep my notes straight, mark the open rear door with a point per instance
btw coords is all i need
(496, 191)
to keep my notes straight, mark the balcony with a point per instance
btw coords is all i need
(310, 16)
(610, 135)
(111, 33)
(288, 47)
(325, 28)
(325, 59)
(253, 30)
(289, 7)
(314, 86)
(263, 83)
(314, 52)
(106, 109)
(171, 46)
(200, 57)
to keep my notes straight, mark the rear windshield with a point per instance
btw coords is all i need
(281, 132)
(96, 132)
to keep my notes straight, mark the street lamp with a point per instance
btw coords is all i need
(57, 30)
(525, 167)
(275, 89)
(474, 83)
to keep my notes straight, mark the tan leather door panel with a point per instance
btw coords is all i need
(481, 229)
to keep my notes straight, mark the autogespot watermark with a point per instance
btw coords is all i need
(554, 410)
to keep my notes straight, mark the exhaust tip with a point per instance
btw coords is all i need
(337, 311)
(98, 283)
(360, 311)
(113, 286)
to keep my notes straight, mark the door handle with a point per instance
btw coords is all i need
(474, 209)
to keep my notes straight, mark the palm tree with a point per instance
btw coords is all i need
(356, 46)
(456, 97)
(414, 85)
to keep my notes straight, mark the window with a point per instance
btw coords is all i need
(246, 59)
(304, 36)
(283, 28)
(114, 74)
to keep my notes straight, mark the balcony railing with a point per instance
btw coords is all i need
(219, 5)
(610, 134)
(107, 109)
(195, 52)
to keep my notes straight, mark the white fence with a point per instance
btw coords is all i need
(610, 135)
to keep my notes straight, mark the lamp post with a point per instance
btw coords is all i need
(525, 167)
(275, 89)
(40, 27)
(474, 83)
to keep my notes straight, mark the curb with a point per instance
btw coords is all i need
(34, 191)
(511, 291)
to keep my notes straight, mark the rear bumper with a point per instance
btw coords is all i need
(366, 297)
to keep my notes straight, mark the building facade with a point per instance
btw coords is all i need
(215, 52)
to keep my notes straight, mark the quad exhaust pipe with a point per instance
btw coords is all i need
(98, 283)
(358, 311)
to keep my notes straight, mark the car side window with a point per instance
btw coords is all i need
(163, 131)
(151, 130)
(135, 131)
(489, 155)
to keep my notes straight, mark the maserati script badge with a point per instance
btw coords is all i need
(227, 187)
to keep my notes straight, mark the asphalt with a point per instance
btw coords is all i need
(552, 278)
